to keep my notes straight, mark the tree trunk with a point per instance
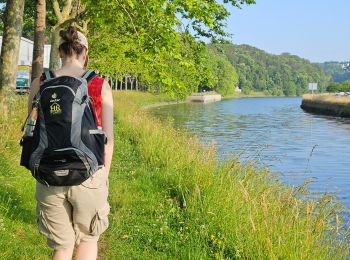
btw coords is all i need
(137, 83)
(116, 82)
(13, 23)
(55, 62)
(126, 82)
(39, 37)
(132, 79)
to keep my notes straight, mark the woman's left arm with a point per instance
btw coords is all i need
(107, 123)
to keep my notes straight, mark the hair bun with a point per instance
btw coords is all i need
(70, 35)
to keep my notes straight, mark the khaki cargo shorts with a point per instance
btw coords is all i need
(71, 214)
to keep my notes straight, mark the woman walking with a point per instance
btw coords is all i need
(74, 217)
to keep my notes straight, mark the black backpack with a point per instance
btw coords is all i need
(62, 145)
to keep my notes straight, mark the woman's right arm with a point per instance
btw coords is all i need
(33, 90)
(107, 122)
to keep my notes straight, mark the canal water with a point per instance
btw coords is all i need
(276, 133)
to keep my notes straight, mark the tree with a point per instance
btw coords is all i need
(227, 76)
(39, 37)
(13, 22)
(207, 67)
(70, 12)
(28, 18)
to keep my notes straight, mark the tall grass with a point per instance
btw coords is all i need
(171, 199)
(19, 236)
(229, 211)
(327, 98)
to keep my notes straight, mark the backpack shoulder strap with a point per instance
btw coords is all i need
(89, 75)
(47, 75)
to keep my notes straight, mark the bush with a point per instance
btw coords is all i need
(339, 87)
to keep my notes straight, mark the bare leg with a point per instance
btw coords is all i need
(86, 251)
(64, 254)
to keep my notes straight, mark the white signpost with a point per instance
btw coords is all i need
(312, 87)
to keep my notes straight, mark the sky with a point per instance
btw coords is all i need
(318, 30)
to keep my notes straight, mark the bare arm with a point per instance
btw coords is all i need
(107, 122)
(33, 90)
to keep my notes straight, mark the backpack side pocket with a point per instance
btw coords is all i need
(27, 143)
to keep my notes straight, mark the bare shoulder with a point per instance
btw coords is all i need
(106, 89)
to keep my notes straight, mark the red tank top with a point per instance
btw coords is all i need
(95, 90)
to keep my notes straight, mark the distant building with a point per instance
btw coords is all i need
(26, 52)
(25, 60)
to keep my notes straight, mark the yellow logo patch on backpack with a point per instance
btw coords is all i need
(55, 109)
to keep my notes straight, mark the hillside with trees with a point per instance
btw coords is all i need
(277, 75)
(340, 71)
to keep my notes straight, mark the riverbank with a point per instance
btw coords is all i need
(171, 199)
(327, 104)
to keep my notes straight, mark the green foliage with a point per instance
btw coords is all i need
(28, 18)
(283, 74)
(339, 87)
(207, 67)
(227, 76)
(152, 39)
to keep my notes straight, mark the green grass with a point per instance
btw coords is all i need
(143, 99)
(19, 236)
(327, 98)
(171, 199)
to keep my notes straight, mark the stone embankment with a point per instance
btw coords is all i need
(327, 104)
(200, 98)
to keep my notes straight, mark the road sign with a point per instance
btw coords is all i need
(23, 78)
(312, 86)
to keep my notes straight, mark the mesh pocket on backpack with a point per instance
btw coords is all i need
(98, 144)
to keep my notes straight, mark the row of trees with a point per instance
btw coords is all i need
(157, 40)
(155, 43)
(283, 74)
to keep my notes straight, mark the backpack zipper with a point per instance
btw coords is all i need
(85, 156)
(59, 86)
